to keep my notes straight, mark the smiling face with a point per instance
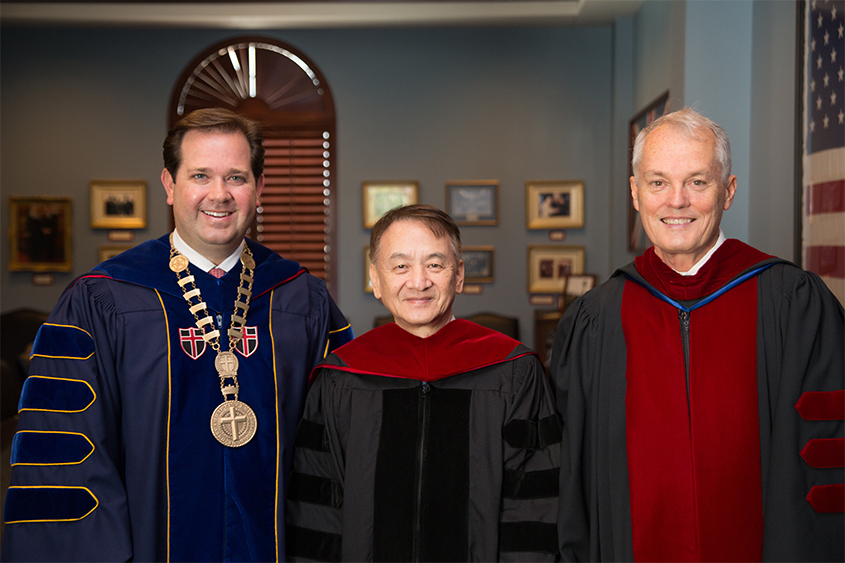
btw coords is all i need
(214, 194)
(416, 275)
(680, 195)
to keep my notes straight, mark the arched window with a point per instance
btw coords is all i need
(269, 81)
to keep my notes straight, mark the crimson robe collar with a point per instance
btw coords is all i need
(391, 351)
(732, 263)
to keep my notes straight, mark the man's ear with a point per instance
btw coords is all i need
(730, 187)
(459, 284)
(168, 183)
(375, 281)
(259, 188)
(633, 182)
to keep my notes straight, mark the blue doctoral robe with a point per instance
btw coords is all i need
(114, 458)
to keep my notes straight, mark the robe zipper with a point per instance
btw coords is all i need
(425, 389)
(684, 317)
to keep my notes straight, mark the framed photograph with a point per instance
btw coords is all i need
(550, 265)
(368, 283)
(637, 239)
(40, 234)
(579, 284)
(380, 197)
(473, 203)
(107, 251)
(554, 204)
(575, 286)
(478, 264)
(118, 204)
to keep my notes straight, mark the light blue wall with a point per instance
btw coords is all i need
(734, 60)
(771, 189)
(717, 82)
(432, 105)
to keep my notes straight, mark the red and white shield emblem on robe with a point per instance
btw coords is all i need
(249, 343)
(192, 342)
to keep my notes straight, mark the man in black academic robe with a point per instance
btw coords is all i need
(427, 439)
(701, 387)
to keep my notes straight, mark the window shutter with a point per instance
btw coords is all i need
(295, 214)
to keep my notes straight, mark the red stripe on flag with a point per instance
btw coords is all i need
(827, 498)
(822, 405)
(826, 260)
(826, 197)
(825, 452)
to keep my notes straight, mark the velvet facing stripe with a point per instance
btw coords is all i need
(422, 476)
(53, 394)
(531, 484)
(692, 428)
(48, 504)
(532, 537)
(62, 341)
(533, 434)
(822, 405)
(33, 447)
(824, 452)
(316, 490)
(311, 436)
(313, 544)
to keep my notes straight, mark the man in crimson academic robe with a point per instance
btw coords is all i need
(701, 387)
(158, 419)
(429, 438)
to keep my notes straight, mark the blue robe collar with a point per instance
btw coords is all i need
(148, 265)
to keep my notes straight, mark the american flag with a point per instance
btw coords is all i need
(823, 236)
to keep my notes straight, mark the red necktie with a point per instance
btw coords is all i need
(217, 272)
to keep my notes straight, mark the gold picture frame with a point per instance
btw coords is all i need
(550, 265)
(637, 238)
(107, 251)
(118, 204)
(554, 204)
(40, 234)
(379, 197)
(474, 202)
(478, 264)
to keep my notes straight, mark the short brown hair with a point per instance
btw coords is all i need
(439, 222)
(210, 120)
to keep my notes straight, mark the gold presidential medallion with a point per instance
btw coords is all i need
(178, 263)
(233, 423)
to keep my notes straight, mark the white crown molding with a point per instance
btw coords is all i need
(300, 15)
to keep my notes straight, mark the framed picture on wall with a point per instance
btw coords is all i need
(40, 234)
(550, 265)
(118, 204)
(637, 239)
(473, 203)
(382, 196)
(575, 286)
(107, 251)
(579, 284)
(554, 204)
(478, 264)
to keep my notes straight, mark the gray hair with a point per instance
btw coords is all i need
(690, 124)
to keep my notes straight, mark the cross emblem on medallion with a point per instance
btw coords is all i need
(234, 419)
(226, 364)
